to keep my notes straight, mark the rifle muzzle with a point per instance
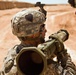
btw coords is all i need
(31, 61)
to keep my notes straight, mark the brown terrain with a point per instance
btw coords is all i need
(58, 17)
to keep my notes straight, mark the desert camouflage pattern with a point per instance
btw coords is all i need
(27, 22)
(9, 63)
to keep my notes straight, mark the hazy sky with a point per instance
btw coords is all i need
(47, 1)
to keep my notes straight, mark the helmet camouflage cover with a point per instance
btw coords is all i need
(27, 22)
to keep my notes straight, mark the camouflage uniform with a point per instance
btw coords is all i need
(53, 68)
(21, 27)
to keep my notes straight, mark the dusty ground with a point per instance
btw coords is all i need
(57, 17)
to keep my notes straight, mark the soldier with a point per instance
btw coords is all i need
(28, 25)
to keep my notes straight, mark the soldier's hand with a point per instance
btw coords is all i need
(8, 65)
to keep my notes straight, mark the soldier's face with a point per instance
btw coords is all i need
(43, 30)
(42, 33)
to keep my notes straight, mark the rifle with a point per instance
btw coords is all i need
(33, 60)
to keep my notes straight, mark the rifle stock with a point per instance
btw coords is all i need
(33, 60)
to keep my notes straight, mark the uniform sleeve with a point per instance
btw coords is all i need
(68, 66)
(8, 61)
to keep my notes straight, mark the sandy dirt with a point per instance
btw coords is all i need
(58, 17)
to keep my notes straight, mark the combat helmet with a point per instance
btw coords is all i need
(27, 22)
